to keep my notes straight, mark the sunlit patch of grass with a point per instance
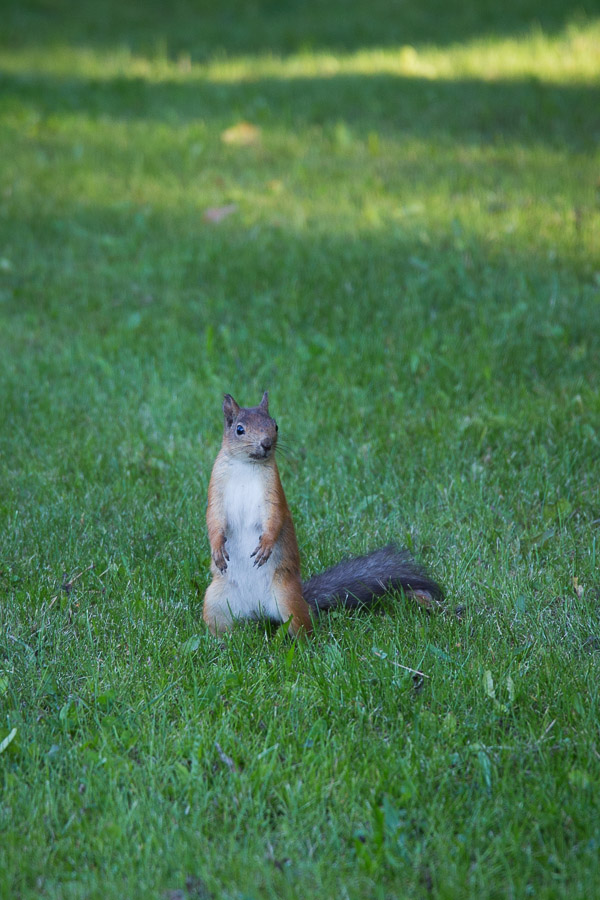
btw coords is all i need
(569, 57)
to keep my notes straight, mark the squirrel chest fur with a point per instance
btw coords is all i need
(255, 559)
(245, 507)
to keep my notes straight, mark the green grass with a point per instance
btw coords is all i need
(413, 271)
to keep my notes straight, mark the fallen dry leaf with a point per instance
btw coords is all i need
(216, 214)
(244, 134)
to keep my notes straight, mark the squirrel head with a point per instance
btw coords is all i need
(250, 432)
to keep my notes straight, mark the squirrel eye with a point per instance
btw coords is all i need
(276, 427)
(240, 429)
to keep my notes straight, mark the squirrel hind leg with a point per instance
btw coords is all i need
(300, 627)
(215, 610)
(291, 604)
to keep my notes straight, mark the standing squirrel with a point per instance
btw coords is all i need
(255, 558)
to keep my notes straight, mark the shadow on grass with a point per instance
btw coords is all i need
(525, 110)
(204, 28)
(345, 309)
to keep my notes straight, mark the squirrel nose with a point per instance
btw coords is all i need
(266, 443)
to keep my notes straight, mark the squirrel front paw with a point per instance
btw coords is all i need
(220, 556)
(262, 552)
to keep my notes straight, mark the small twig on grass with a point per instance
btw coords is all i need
(224, 758)
(552, 723)
(400, 666)
(408, 669)
(67, 585)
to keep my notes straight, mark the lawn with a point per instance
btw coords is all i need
(388, 215)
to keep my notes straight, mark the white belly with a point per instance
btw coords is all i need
(249, 588)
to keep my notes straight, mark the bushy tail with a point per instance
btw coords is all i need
(357, 582)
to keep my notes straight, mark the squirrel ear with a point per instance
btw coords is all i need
(264, 403)
(230, 409)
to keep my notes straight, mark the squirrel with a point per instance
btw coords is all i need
(255, 557)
